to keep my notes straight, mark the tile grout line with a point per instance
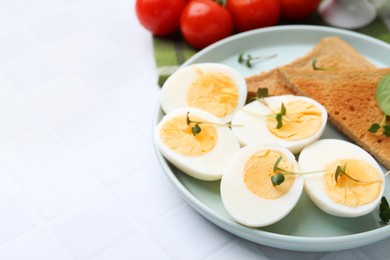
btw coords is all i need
(39, 221)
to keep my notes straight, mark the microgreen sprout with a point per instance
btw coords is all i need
(382, 125)
(314, 65)
(340, 171)
(383, 99)
(277, 179)
(276, 165)
(248, 60)
(384, 210)
(280, 173)
(196, 129)
(280, 115)
(261, 93)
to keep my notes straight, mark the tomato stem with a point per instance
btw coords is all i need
(221, 2)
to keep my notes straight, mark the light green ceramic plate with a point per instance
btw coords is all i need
(306, 228)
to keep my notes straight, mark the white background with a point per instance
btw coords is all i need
(78, 174)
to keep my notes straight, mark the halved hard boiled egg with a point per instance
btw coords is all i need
(213, 87)
(303, 122)
(352, 182)
(247, 191)
(196, 142)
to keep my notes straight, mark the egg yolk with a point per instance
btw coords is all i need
(258, 171)
(214, 92)
(302, 120)
(178, 136)
(348, 192)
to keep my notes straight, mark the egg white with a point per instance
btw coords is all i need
(253, 126)
(244, 206)
(175, 89)
(323, 152)
(210, 165)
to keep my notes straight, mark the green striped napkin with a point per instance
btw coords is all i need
(171, 52)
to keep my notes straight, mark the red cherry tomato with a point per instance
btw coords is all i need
(252, 14)
(298, 9)
(204, 22)
(160, 17)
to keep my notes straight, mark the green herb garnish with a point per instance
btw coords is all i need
(383, 99)
(375, 127)
(277, 179)
(276, 165)
(280, 173)
(340, 171)
(248, 60)
(314, 65)
(384, 210)
(261, 93)
(280, 115)
(196, 129)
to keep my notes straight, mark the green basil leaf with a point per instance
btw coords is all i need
(383, 94)
(384, 217)
(384, 202)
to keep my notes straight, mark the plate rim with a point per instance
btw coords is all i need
(267, 238)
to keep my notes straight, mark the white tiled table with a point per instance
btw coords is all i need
(78, 174)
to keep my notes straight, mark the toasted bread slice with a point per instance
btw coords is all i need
(272, 80)
(349, 97)
(330, 52)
